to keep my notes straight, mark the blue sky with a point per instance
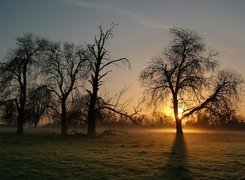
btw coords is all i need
(142, 31)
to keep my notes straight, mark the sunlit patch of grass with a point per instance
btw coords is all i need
(139, 155)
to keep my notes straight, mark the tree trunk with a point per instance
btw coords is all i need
(22, 102)
(91, 125)
(63, 119)
(20, 129)
(179, 126)
(178, 120)
(92, 116)
(92, 108)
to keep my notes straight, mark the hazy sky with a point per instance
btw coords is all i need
(142, 31)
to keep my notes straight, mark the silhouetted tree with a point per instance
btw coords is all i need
(9, 110)
(15, 72)
(100, 63)
(38, 101)
(183, 72)
(64, 67)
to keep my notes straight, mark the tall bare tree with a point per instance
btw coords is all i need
(15, 71)
(183, 73)
(64, 67)
(100, 63)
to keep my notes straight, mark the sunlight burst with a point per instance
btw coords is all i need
(180, 112)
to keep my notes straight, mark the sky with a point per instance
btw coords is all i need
(142, 30)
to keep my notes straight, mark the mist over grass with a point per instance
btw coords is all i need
(141, 154)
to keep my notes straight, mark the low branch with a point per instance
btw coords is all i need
(120, 113)
(53, 108)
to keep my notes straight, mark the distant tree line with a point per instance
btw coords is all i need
(205, 119)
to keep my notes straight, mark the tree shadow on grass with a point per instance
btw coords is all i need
(176, 167)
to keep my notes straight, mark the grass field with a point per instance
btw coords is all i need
(138, 155)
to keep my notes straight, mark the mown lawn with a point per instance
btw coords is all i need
(138, 155)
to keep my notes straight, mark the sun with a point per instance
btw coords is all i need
(169, 112)
(180, 112)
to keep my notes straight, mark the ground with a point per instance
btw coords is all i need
(142, 154)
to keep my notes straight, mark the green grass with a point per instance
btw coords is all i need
(140, 155)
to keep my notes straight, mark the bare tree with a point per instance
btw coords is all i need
(15, 70)
(100, 63)
(64, 67)
(183, 73)
(38, 102)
